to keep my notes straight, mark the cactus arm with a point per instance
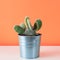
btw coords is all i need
(29, 26)
(23, 26)
(30, 30)
(37, 25)
(19, 29)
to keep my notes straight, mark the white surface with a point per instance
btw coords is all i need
(46, 53)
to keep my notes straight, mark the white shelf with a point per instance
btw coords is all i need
(46, 53)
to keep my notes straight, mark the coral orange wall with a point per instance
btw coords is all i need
(13, 12)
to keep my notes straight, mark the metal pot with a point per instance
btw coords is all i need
(29, 46)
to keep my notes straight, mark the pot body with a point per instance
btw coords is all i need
(29, 46)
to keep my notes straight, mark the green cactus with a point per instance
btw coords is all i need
(19, 29)
(37, 25)
(28, 29)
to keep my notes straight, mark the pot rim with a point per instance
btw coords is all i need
(38, 34)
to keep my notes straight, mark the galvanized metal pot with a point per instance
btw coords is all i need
(29, 46)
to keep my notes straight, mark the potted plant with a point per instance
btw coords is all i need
(29, 39)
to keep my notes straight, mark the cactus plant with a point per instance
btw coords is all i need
(28, 29)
